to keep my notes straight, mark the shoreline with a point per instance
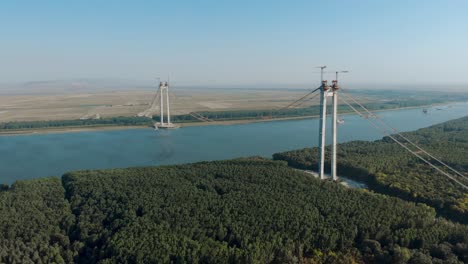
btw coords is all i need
(49, 130)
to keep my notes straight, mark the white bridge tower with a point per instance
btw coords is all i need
(164, 97)
(325, 92)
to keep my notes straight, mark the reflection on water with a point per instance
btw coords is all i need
(29, 156)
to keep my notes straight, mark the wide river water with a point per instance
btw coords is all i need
(39, 155)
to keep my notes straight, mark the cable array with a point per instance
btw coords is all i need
(301, 100)
(387, 133)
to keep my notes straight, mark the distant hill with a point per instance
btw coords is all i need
(74, 86)
(110, 84)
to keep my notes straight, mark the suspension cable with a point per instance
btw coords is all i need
(300, 99)
(405, 138)
(405, 147)
(200, 117)
(310, 99)
(155, 97)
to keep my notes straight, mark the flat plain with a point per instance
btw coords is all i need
(68, 105)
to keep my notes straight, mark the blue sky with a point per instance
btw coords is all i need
(235, 42)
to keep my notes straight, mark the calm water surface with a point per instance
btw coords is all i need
(31, 156)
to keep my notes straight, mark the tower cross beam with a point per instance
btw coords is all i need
(164, 92)
(327, 91)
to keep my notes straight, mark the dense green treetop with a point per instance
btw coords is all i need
(34, 222)
(389, 168)
(247, 211)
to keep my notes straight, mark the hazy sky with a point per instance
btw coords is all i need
(235, 42)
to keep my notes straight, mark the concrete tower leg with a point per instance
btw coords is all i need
(161, 88)
(167, 102)
(322, 129)
(334, 132)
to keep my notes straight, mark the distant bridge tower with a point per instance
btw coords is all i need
(325, 92)
(164, 94)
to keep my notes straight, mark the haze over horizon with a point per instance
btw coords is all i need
(103, 84)
(242, 43)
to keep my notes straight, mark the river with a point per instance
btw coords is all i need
(39, 155)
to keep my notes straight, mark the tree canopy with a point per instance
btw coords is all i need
(236, 211)
(388, 168)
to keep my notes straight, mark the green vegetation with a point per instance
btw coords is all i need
(35, 220)
(224, 115)
(113, 121)
(296, 112)
(388, 168)
(249, 210)
(237, 211)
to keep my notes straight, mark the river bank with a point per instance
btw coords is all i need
(74, 129)
(38, 155)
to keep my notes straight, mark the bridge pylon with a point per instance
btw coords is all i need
(164, 94)
(325, 92)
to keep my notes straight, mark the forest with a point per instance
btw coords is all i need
(35, 219)
(250, 210)
(388, 168)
